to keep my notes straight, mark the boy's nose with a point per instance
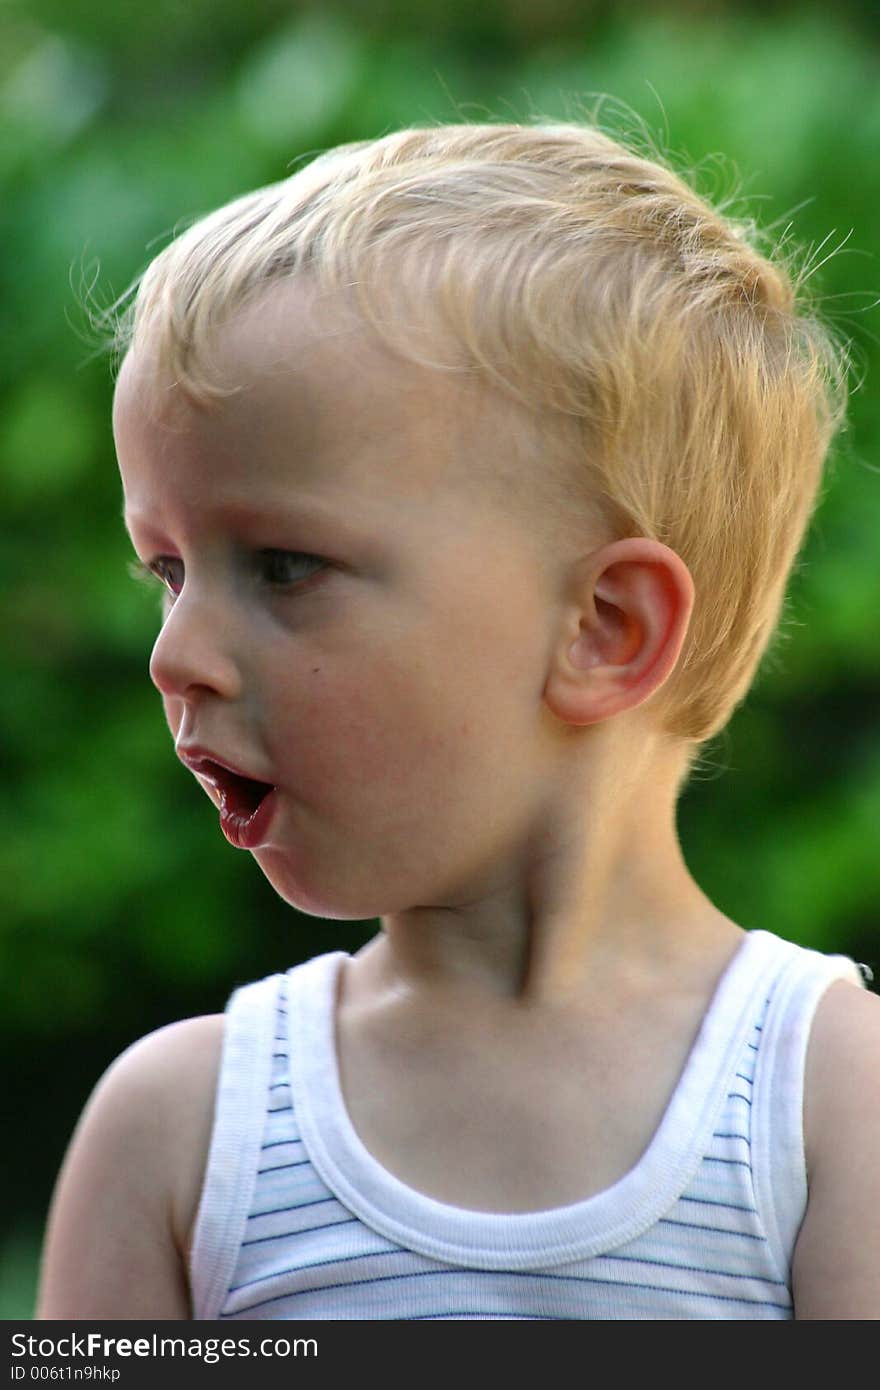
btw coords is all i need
(192, 652)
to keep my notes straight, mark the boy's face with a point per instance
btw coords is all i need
(391, 689)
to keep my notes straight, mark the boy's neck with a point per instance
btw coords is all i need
(599, 893)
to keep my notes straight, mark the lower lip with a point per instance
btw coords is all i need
(249, 831)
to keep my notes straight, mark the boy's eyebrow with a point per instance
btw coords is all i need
(286, 509)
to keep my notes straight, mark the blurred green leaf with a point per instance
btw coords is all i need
(48, 439)
(294, 84)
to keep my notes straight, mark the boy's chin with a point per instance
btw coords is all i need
(294, 889)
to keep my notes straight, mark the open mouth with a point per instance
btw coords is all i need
(239, 796)
(246, 805)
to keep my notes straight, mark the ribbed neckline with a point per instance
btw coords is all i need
(520, 1240)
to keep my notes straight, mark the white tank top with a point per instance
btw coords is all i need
(297, 1220)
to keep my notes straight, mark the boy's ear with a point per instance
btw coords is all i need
(625, 623)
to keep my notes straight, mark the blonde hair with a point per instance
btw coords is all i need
(595, 284)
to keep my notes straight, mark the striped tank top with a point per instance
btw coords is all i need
(297, 1220)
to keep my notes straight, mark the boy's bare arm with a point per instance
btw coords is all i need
(836, 1270)
(117, 1239)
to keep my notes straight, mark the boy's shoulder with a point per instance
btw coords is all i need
(836, 1270)
(135, 1165)
(842, 1077)
(165, 1085)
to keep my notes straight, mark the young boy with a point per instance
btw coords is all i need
(473, 461)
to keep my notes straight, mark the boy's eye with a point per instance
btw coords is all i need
(287, 566)
(274, 567)
(165, 568)
(169, 571)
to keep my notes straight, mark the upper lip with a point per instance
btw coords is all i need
(203, 762)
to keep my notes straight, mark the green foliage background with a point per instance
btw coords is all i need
(123, 908)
